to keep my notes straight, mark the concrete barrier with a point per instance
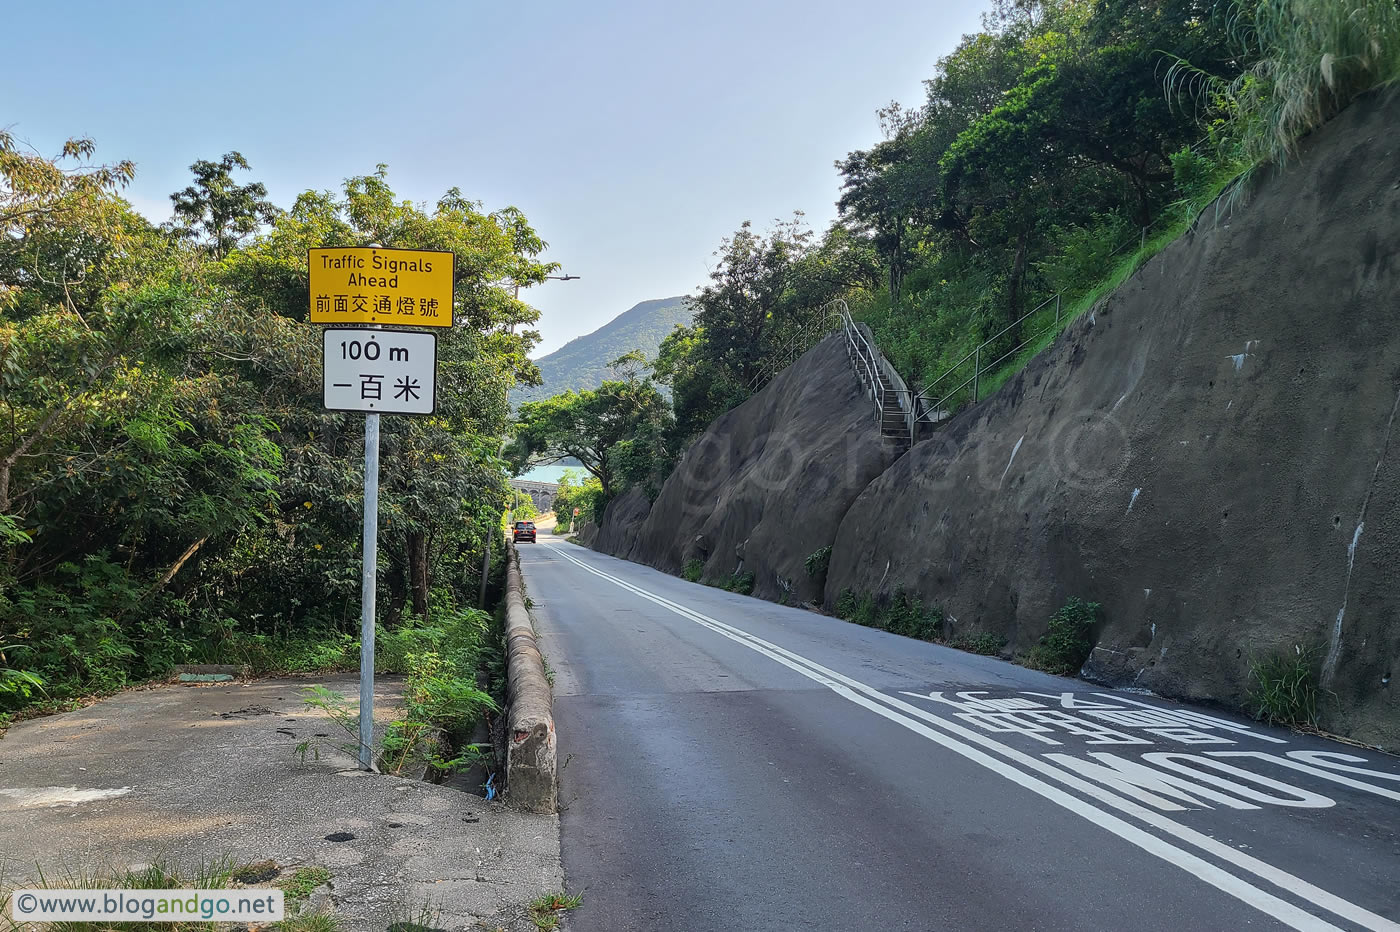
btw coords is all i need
(531, 756)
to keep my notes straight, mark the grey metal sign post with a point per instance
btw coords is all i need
(374, 371)
(378, 372)
(369, 568)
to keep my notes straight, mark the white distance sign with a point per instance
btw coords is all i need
(380, 371)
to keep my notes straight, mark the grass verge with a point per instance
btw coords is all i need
(441, 697)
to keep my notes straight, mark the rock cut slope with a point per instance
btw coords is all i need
(1211, 454)
(765, 486)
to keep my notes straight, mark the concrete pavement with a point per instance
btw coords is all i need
(184, 775)
(732, 764)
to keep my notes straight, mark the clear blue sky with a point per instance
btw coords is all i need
(633, 135)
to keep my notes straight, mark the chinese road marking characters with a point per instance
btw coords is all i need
(1102, 720)
(1181, 758)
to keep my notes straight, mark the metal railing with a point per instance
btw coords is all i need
(889, 392)
(937, 407)
(894, 401)
(805, 338)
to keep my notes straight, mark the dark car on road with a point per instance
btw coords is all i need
(524, 530)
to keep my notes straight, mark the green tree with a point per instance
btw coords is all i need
(743, 311)
(593, 427)
(586, 496)
(698, 393)
(882, 189)
(442, 480)
(216, 210)
(169, 489)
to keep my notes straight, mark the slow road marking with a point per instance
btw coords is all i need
(1028, 771)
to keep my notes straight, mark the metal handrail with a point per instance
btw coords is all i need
(938, 410)
(976, 355)
(856, 342)
(795, 347)
(882, 382)
(935, 411)
(880, 378)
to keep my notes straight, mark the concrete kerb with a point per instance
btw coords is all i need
(531, 755)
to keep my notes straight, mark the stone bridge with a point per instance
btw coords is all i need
(541, 493)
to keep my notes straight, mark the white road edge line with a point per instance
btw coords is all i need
(862, 694)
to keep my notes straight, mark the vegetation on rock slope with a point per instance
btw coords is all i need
(1056, 150)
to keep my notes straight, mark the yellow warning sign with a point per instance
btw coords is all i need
(372, 285)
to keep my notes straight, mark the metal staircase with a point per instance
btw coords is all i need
(896, 409)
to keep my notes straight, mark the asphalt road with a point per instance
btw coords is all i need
(737, 765)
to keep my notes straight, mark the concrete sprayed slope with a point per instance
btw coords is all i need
(766, 484)
(1210, 455)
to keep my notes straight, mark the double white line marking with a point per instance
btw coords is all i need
(1028, 772)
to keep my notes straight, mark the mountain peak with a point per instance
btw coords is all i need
(582, 363)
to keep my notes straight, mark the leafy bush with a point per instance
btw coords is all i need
(85, 630)
(263, 654)
(1080, 255)
(741, 583)
(693, 570)
(458, 633)
(856, 607)
(582, 492)
(1067, 644)
(906, 614)
(1283, 689)
(442, 700)
(522, 508)
(901, 613)
(818, 563)
(1194, 175)
(443, 706)
(168, 491)
(17, 687)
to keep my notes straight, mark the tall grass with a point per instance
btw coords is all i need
(1312, 58)
(1283, 689)
(1318, 56)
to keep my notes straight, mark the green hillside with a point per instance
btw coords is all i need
(582, 362)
